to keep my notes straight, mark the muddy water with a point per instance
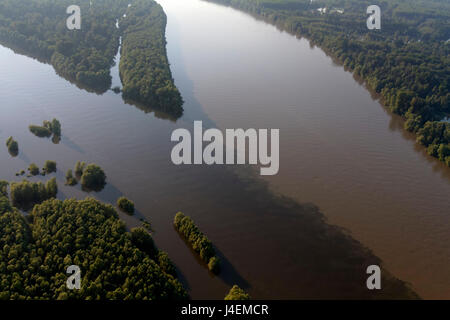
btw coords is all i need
(341, 157)
(339, 148)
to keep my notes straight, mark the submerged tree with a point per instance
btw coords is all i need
(79, 168)
(33, 169)
(93, 178)
(125, 205)
(70, 179)
(13, 146)
(49, 166)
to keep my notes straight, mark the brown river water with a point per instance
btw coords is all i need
(353, 188)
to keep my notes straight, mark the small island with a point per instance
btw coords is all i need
(93, 177)
(13, 146)
(125, 205)
(47, 129)
(198, 241)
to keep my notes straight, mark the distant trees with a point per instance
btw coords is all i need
(13, 146)
(125, 205)
(199, 242)
(25, 194)
(93, 178)
(85, 57)
(237, 293)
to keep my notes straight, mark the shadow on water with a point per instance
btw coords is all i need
(22, 156)
(228, 273)
(287, 248)
(160, 114)
(70, 144)
(271, 244)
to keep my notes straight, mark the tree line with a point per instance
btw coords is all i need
(144, 67)
(198, 241)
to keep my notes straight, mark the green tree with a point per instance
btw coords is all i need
(237, 293)
(125, 205)
(93, 178)
(49, 166)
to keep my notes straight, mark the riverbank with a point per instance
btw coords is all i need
(407, 71)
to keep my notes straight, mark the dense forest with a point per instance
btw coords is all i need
(144, 67)
(407, 62)
(38, 28)
(85, 57)
(36, 250)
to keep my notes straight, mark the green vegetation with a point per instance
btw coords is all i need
(144, 67)
(38, 28)
(199, 242)
(125, 205)
(237, 293)
(70, 179)
(25, 194)
(142, 239)
(49, 166)
(165, 263)
(407, 62)
(47, 129)
(79, 168)
(214, 265)
(93, 178)
(4, 188)
(40, 131)
(35, 254)
(33, 169)
(13, 146)
(54, 126)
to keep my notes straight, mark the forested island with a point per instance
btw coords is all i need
(407, 62)
(35, 252)
(85, 57)
(197, 240)
(144, 67)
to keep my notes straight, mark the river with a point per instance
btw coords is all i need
(342, 156)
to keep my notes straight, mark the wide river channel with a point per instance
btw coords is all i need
(353, 187)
